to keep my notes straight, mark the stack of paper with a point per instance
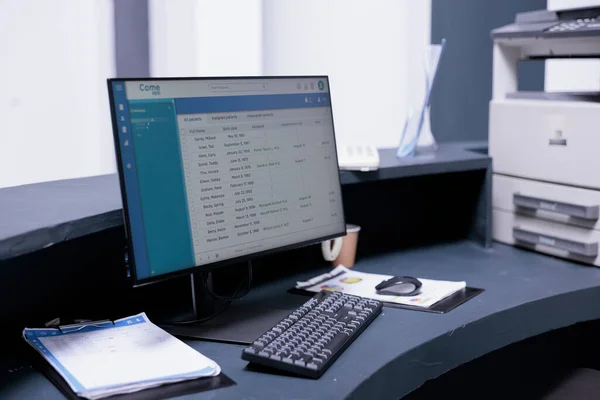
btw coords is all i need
(363, 284)
(124, 356)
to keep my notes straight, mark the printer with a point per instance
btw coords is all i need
(546, 146)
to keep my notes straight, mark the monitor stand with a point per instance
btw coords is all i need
(242, 322)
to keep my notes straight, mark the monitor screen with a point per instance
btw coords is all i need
(217, 170)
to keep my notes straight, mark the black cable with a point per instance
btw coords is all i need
(227, 299)
(235, 295)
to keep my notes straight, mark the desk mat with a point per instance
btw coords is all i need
(157, 393)
(441, 307)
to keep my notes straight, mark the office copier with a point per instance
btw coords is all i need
(546, 146)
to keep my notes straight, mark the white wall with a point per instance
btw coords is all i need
(56, 56)
(172, 37)
(229, 36)
(205, 37)
(572, 75)
(372, 52)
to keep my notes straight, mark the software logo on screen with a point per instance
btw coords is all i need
(155, 89)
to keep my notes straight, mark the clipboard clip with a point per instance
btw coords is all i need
(78, 324)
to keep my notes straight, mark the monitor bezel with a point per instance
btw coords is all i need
(137, 281)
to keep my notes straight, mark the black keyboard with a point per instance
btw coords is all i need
(312, 337)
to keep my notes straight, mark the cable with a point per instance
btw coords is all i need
(227, 299)
(235, 295)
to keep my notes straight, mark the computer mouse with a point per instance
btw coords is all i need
(399, 286)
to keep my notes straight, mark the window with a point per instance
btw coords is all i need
(372, 51)
(54, 104)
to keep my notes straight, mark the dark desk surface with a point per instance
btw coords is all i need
(526, 294)
(36, 216)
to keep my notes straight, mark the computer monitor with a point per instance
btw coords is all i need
(215, 171)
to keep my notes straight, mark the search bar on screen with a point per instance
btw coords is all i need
(237, 87)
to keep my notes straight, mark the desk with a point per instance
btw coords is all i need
(33, 217)
(526, 294)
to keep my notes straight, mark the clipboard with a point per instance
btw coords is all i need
(138, 327)
(446, 304)
(157, 393)
(441, 307)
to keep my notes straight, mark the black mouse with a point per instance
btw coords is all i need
(399, 286)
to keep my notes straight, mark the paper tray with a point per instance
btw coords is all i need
(441, 307)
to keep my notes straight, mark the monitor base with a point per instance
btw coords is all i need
(238, 324)
(241, 321)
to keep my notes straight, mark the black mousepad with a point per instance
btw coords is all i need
(441, 307)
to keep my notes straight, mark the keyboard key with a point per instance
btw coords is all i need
(312, 365)
(275, 357)
(288, 360)
(283, 353)
(316, 352)
(249, 350)
(300, 363)
(264, 354)
(345, 319)
(335, 343)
